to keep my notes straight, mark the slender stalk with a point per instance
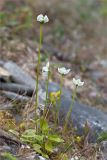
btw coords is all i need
(48, 111)
(70, 110)
(47, 84)
(61, 83)
(38, 66)
(59, 101)
(66, 150)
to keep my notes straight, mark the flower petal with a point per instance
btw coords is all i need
(63, 71)
(78, 82)
(46, 19)
(40, 18)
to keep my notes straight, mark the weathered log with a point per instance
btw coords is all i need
(17, 88)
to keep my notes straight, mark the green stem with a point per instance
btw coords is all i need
(46, 113)
(38, 67)
(61, 82)
(70, 110)
(66, 150)
(47, 84)
(59, 102)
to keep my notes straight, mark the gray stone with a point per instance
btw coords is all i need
(18, 75)
(8, 106)
(104, 149)
(104, 63)
(96, 75)
(81, 113)
(5, 148)
(1, 63)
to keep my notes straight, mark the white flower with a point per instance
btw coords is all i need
(28, 147)
(25, 146)
(45, 69)
(46, 19)
(78, 82)
(22, 146)
(75, 158)
(72, 159)
(63, 71)
(47, 65)
(42, 19)
(41, 158)
(44, 74)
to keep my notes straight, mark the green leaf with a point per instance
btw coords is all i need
(37, 148)
(45, 155)
(102, 137)
(13, 23)
(63, 156)
(26, 140)
(8, 156)
(44, 125)
(28, 136)
(39, 137)
(55, 138)
(48, 146)
(30, 132)
(3, 15)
